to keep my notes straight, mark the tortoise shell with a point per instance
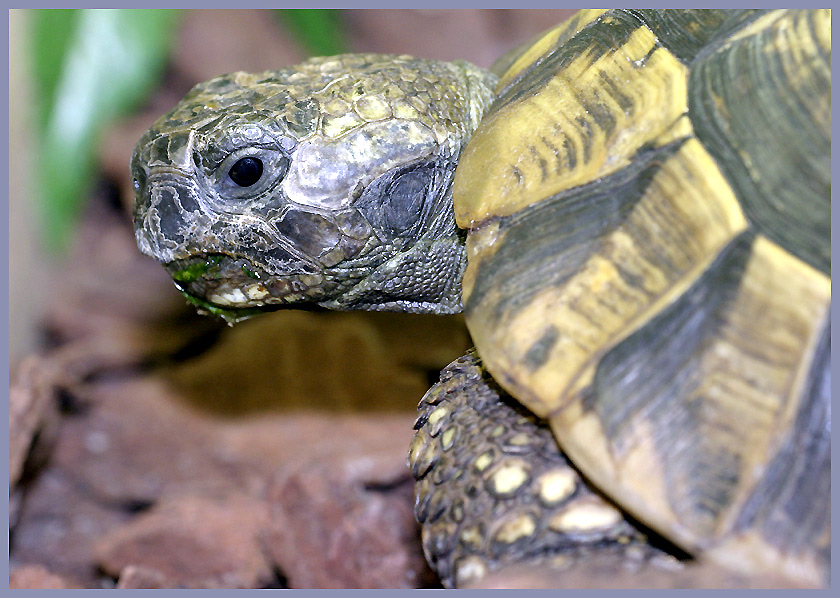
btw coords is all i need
(648, 206)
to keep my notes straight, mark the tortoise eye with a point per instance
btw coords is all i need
(246, 171)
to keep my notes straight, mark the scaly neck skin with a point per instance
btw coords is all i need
(329, 183)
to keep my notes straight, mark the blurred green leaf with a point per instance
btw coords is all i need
(51, 33)
(90, 66)
(319, 31)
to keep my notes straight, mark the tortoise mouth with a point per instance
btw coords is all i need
(232, 283)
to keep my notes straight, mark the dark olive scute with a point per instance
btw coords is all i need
(246, 172)
(685, 32)
(763, 114)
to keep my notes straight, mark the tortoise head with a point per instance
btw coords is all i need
(326, 183)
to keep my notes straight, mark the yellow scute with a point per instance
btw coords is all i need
(550, 141)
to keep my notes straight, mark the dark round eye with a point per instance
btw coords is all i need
(246, 171)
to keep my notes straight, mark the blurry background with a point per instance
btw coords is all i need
(151, 446)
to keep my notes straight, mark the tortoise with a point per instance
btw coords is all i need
(632, 210)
